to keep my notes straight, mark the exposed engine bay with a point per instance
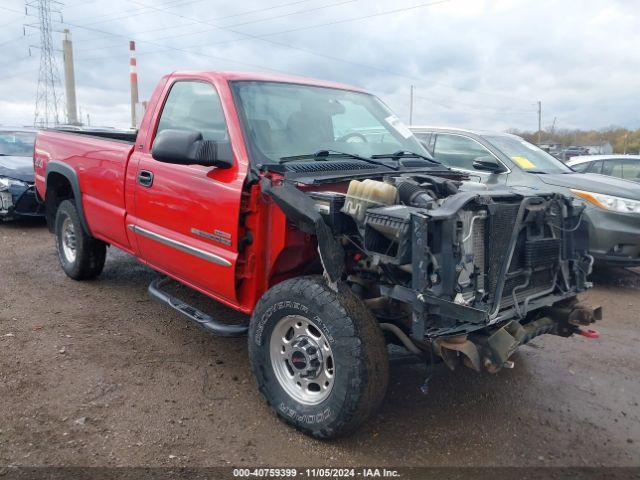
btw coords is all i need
(466, 273)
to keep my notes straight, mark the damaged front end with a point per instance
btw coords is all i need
(462, 273)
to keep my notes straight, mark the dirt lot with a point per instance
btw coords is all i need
(96, 373)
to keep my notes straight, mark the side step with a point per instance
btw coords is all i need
(205, 321)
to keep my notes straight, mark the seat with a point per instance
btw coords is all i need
(310, 128)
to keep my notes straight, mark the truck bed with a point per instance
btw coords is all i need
(128, 136)
(99, 160)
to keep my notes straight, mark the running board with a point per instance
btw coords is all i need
(205, 321)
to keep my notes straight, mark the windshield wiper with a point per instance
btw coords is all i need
(326, 154)
(404, 154)
(536, 171)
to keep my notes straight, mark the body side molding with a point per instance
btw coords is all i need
(183, 247)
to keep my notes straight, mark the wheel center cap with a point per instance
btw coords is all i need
(306, 357)
(299, 360)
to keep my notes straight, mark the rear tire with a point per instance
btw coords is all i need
(81, 256)
(318, 356)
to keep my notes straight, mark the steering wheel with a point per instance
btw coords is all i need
(353, 137)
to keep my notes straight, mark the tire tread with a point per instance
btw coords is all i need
(90, 252)
(366, 389)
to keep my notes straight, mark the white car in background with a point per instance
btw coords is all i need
(621, 166)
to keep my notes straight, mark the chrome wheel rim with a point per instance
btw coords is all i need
(302, 359)
(68, 240)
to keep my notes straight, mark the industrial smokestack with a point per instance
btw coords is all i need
(69, 79)
(134, 82)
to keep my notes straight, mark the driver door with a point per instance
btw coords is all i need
(186, 216)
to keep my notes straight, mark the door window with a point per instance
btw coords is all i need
(631, 170)
(595, 167)
(582, 167)
(428, 140)
(612, 168)
(458, 152)
(194, 106)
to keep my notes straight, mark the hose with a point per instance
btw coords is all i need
(406, 341)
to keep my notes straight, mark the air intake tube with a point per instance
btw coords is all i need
(413, 195)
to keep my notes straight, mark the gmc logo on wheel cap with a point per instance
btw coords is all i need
(298, 360)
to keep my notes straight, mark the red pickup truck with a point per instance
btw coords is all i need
(311, 207)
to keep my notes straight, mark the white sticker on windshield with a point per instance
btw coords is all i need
(399, 127)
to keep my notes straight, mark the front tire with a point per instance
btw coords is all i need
(81, 256)
(318, 356)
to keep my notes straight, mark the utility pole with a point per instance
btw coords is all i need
(553, 126)
(411, 106)
(133, 75)
(69, 79)
(539, 122)
(48, 96)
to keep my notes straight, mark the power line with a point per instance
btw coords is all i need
(258, 10)
(81, 2)
(144, 10)
(249, 22)
(285, 45)
(456, 104)
(177, 49)
(20, 74)
(130, 11)
(311, 52)
(193, 21)
(264, 38)
(247, 36)
(355, 19)
(19, 19)
(12, 10)
(14, 62)
(14, 39)
(298, 29)
(289, 46)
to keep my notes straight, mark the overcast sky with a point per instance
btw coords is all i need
(474, 63)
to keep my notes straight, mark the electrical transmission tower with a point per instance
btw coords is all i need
(49, 94)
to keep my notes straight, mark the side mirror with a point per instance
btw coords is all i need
(488, 164)
(185, 147)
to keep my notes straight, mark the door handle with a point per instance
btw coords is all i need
(145, 178)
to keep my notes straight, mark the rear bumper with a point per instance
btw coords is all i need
(614, 238)
(19, 201)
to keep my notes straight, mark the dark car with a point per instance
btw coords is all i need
(571, 152)
(613, 205)
(621, 166)
(17, 177)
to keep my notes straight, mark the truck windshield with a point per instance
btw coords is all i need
(282, 120)
(527, 156)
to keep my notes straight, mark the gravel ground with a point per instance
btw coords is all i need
(97, 374)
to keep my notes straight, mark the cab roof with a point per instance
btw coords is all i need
(266, 77)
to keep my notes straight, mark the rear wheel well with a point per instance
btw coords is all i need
(58, 189)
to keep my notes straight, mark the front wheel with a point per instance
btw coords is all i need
(318, 356)
(81, 256)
